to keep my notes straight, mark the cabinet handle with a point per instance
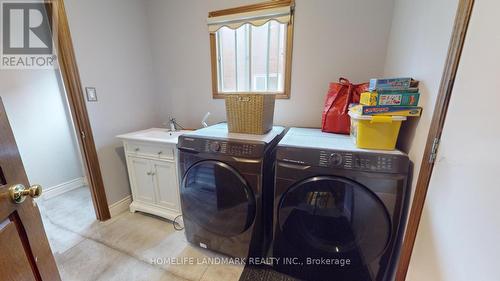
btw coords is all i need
(149, 173)
(153, 173)
(136, 149)
(160, 153)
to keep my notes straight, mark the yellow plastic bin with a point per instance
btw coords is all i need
(375, 132)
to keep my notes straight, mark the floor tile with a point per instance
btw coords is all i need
(188, 264)
(222, 272)
(134, 232)
(86, 261)
(61, 240)
(128, 247)
(127, 268)
(72, 211)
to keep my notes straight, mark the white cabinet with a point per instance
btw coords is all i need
(141, 179)
(165, 184)
(154, 181)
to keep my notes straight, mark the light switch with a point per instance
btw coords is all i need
(91, 94)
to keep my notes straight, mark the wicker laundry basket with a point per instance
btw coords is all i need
(250, 113)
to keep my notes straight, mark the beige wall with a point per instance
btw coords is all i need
(112, 50)
(458, 235)
(150, 60)
(418, 46)
(36, 106)
(332, 39)
(37, 109)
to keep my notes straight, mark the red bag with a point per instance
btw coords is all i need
(340, 95)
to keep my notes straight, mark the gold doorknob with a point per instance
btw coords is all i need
(18, 192)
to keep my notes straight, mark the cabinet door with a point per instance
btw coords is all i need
(142, 180)
(166, 184)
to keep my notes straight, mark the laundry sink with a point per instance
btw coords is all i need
(159, 134)
(155, 135)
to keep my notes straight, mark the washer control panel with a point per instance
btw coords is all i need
(236, 149)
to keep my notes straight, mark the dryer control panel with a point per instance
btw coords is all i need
(371, 162)
(349, 160)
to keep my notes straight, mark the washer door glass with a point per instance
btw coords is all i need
(216, 197)
(334, 216)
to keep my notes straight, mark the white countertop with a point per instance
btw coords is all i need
(220, 131)
(315, 138)
(158, 135)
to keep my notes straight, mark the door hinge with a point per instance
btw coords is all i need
(434, 150)
(83, 134)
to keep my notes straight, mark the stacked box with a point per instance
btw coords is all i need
(392, 84)
(411, 111)
(381, 111)
(390, 98)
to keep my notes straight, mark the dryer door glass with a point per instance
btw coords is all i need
(332, 216)
(216, 197)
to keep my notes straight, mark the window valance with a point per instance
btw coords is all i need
(256, 18)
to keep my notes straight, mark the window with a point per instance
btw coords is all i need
(251, 49)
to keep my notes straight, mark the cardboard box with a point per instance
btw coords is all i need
(392, 84)
(395, 98)
(412, 111)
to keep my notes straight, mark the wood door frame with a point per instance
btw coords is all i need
(74, 92)
(462, 19)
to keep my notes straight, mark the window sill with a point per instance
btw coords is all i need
(279, 96)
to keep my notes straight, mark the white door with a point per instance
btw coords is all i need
(166, 184)
(142, 180)
(458, 237)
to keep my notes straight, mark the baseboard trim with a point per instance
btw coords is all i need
(154, 210)
(63, 188)
(120, 206)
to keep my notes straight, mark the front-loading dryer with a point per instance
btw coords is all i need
(227, 189)
(339, 211)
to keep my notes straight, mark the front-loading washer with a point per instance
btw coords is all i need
(339, 210)
(227, 189)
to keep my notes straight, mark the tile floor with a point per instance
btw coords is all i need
(135, 247)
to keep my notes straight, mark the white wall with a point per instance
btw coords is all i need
(37, 111)
(458, 235)
(331, 39)
(113, 54)
(418, 45)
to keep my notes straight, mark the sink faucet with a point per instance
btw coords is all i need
(204, 120)
(174, 125)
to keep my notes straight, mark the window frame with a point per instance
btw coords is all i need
(288, 53)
